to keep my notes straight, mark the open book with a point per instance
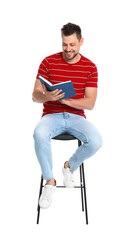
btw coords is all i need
(67, 87)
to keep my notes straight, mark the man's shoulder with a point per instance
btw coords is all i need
(87, 61)
(55, 56)
(51, 59)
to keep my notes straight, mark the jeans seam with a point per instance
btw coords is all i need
(82, 149)
(77, 156)
(80, 133)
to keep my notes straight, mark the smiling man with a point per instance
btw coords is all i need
(71, 47)
(67, 115)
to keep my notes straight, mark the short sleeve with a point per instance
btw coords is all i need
(92, 80)
(43, 69)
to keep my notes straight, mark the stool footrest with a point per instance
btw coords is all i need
(68, 187)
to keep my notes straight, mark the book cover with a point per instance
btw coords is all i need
(67, 87)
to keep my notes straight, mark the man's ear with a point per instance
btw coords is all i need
(81, 41)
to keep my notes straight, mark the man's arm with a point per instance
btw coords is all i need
(87, 102)
(41, 94)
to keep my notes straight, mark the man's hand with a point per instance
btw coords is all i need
(64, 101)
(53, 95)
(41, 95)
(87, 102)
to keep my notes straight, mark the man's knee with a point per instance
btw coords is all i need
(93, 143)
(96, 142)
(40, 134)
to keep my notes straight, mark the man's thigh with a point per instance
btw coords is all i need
(82, 128)
(49, 125)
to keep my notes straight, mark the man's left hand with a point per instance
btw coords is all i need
(65, 101)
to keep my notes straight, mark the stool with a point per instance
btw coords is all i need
(66, 136)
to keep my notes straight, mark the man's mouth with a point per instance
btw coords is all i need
(71, 54)
(68, 53)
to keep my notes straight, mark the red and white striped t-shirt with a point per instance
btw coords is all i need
(82, 74)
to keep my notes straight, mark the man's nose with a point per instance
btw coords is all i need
(68, 48)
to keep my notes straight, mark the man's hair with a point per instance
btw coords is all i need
(70, 29)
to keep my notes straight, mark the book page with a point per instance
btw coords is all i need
(46, 81)
(62, 83)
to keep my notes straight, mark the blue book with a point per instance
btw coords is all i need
(67, 87)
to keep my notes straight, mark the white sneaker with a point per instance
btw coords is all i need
(68, 180)
(46, 197)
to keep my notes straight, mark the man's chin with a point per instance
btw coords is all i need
(69, 58)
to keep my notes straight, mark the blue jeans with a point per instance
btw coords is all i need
(52, 125)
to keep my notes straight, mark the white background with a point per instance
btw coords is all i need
(30, 31)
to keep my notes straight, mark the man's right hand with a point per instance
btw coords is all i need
(41, 95)
(53, 95)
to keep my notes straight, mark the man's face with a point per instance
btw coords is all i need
(71, 46)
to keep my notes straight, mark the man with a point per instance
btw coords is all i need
(65, 115)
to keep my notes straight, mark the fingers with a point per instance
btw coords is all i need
(56, 92)
(60, 96)
(55, 95)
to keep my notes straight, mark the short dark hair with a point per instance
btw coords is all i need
(70, 29)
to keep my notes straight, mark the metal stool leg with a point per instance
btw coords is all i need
(81, 186)
(38, 207)
(81, 180)
(85, 198)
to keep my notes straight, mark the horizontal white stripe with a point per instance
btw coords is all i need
(91, 82)
(75, 65)
(45, 67)
(53, 75)
(54, 58)
(79, 94)
(85, 61)
(42, 70)
(79, 89)
(84, 66)
(44, 76)
(92, 73)
(62, 70)
(72, 82)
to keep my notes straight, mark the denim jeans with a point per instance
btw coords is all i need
(52, 125)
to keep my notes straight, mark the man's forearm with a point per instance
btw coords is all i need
(82, 103)
(39, 97)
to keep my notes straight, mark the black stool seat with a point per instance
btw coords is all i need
(66, 136)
